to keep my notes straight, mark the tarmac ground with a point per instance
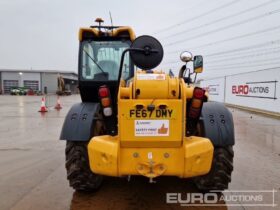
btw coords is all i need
(32, 172)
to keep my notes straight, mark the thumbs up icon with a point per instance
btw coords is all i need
(162, 130)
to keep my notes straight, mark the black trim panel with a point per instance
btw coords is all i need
(78, 124)
(217, 124)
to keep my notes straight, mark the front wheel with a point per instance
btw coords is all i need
(220, 174)
(80, 176)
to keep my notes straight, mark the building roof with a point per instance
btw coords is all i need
(38, 71)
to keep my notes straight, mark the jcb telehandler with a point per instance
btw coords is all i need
(142, 121)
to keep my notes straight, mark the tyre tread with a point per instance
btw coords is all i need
(80, 177)
(220, 174)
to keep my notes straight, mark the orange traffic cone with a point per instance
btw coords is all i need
(43, 106)
(58, 105)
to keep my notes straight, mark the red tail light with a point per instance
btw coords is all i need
(196, 103)
(105, 100)
(198, 93)
(103, 92)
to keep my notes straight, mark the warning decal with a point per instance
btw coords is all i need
(151, 128)
(151, 76)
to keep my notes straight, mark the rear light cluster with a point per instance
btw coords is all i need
(196, 103)
(105, 100)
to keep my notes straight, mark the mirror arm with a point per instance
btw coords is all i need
(120, 71)
(181, 71)
(189, 77)
(195, 77)
(145, 51)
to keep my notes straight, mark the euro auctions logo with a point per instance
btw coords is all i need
(246, 89)
(264, 89)
(248, 198)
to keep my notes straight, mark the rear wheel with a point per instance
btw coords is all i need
(80, 176)
(220, 174)
(77, 165)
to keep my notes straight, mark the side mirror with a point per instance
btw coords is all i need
(146, 52)
(198, 64)
(186, 56)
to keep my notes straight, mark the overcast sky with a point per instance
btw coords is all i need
(41, 34)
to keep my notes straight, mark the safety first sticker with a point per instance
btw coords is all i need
(151, 127)
(150, 76)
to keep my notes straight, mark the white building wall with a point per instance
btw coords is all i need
(49, 80)
(259, 90)
(1, 86)
(22, 77)
(215, 88)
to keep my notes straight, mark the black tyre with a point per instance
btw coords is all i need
(80, 176)
(220, 174)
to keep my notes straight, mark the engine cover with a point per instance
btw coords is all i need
(155, 86)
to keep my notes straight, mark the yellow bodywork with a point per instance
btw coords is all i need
(192, 158)
(115, 33)
(151, 138)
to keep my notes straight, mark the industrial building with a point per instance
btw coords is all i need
(45, 81)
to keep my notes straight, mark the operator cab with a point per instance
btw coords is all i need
(101, 60)
(100, 53)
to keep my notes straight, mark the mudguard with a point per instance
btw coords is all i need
(217, 123)
(78, 124)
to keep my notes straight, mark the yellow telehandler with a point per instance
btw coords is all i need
(136, 120)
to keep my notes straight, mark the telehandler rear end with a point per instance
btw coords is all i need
(142, 121)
